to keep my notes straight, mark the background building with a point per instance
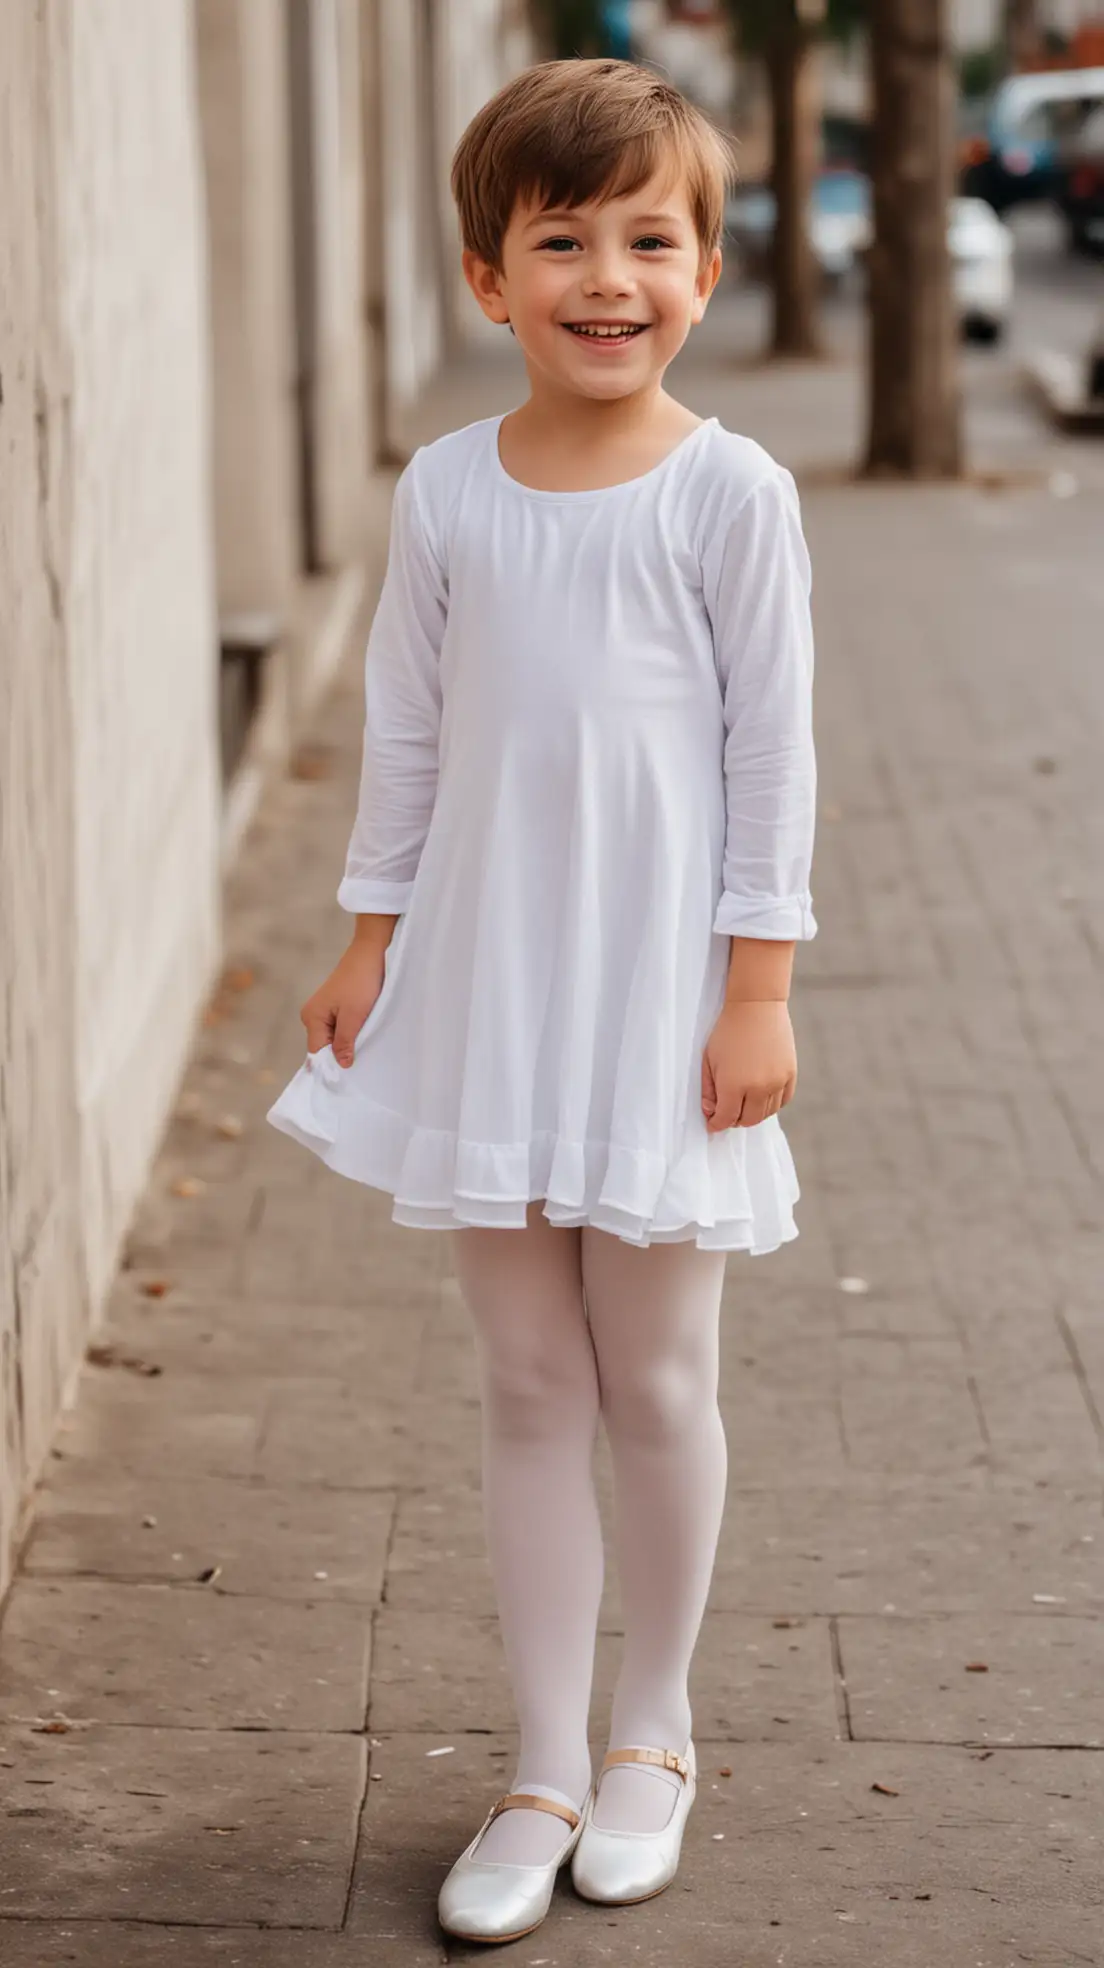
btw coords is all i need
(225, 269)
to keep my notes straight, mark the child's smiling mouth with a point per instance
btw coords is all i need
(606, 334)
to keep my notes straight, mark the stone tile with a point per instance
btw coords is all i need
(810, 1864)
(114, 1944)
(181, 1657)
(908, 1679)
(144, 1425)
(279, 1544)
(907, 1405)
(749, 1678)
(907, 1549)
(334, 1439)
(177, 1825)
(374, 1346)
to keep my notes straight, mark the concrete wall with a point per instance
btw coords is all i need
(218, 269)
(109, 816)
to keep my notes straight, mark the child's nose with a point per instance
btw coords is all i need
(610, 273)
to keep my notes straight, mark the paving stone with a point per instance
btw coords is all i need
(195, 1429)
(909, 1679)
(847, 1874)
(372, 1346)
(178, 1825)
(181, 1656)
(749, 1678)
(335, 1439)
(299, 1543)
(907, 1405)
(909, 1550)
(102, 1944)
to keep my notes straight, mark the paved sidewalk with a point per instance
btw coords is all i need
(252, 1697)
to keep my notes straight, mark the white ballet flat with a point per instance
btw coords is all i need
(485, 1900)
(620, 1867)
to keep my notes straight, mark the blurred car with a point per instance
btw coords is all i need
(1080, 190)
(839, 222)
(841, 229)
(981, 247)
(1012, 152)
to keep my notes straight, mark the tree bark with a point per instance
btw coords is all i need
(1021, 31)
(795, 276)
(915, 417)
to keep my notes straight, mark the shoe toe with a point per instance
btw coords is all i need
(494, 1902)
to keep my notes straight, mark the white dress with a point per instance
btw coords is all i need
(588, 761)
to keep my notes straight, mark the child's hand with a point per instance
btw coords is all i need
(749, 1066)
(340, 1006)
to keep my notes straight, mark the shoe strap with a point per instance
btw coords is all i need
(662, 1759)
(519, 1800)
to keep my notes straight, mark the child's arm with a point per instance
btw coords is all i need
(398, 781)
(757, 581)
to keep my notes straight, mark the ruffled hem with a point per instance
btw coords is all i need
(732, 1191)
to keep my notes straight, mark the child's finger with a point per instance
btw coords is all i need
(319, 1028)
(709, 1091)
(726, 1114)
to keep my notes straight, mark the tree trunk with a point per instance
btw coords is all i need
(1021, 31)
(915, 417)
(795, 276)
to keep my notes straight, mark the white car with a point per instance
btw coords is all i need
(982, 257)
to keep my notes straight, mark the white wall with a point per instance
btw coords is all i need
(109, 800)
(140, 622)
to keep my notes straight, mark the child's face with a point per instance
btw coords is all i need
(635, 261)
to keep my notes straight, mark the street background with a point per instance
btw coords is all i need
(252, 1698)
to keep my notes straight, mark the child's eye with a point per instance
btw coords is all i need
(651, 241)
(555, 245)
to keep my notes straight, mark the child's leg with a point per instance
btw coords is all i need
(539, 1388)
(654, 1318)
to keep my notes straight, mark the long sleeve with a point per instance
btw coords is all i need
(757, 583)
(398, 780)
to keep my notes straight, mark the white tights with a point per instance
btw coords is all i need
(570, 1323)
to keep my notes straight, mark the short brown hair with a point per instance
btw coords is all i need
(566, 132)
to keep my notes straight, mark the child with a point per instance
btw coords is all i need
(578, 869)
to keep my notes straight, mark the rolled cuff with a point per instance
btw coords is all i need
(781, 918)
(374, 898)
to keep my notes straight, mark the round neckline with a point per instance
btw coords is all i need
(594, 491)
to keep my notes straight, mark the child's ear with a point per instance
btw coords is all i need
(485, 282)
(708, 275)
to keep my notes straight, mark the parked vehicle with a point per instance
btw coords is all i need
(841, 228)
(1080, 190)
(839, 222)
(1015, 157)
(982, 258)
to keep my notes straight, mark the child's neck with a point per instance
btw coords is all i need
(559, 442)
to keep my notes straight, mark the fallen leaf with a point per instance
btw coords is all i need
(103, 1353)
(222, 1831)
(156, 1288)
(312, 762)
(209, 1575)
(884, 1790)
(189, 1185)
(787, 1622)
(977, 1667)
(149, 1523)
(921, 1896)
(725, 1770)
(51, 1728)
